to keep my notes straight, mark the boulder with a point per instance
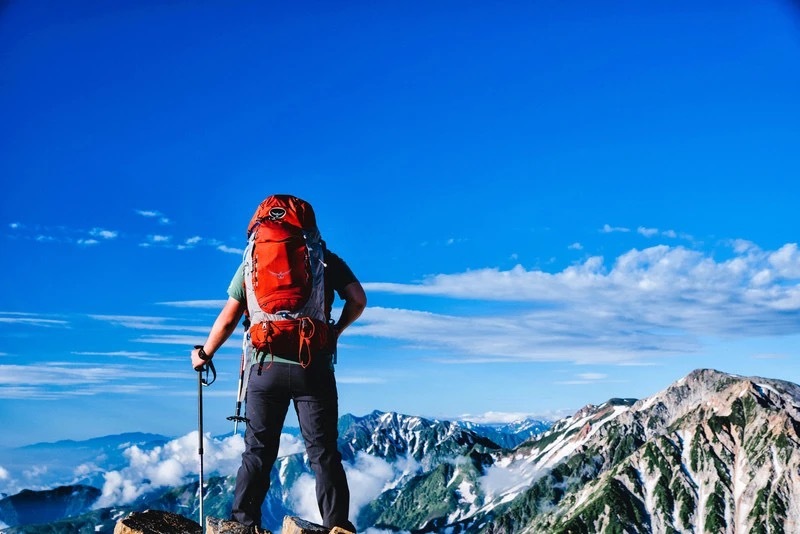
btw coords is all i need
(156, 522)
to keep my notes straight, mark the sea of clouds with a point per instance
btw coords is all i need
(177, 461)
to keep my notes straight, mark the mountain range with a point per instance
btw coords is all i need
(712, 453)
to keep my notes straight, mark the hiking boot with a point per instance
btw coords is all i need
(215, 525)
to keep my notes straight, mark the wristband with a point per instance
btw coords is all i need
(202, 353)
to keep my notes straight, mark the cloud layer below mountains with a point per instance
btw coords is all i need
(176, 462)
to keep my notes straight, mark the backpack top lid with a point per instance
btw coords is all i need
(288, 208)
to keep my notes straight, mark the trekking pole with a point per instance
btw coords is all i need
(237, 417)
(201, 381)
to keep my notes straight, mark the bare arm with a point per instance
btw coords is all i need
(223, 327)
(355, 300)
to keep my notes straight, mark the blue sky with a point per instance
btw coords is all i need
(549, 204)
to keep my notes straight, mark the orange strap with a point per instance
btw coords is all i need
(306, 333)
(267, 325)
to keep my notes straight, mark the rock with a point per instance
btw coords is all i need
(295, 525)
(156, 522)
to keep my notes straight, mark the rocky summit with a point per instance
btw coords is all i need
(158, 522)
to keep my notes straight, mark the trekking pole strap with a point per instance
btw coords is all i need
(206, 368)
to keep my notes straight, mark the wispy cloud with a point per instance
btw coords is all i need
(30, 319)
(350, 379)
(652, 232)
(138, 322)
(70, 380)
(575, 246)
(98, 235)
(61, 234)
(492, 418)
(230, 250)
(133, 355)
(154, 214)
(184, 340)
(657, 300)
(608, 229)
(205, 304)
(647, 232)
(770, 356)
(584, 378)
(104, 234)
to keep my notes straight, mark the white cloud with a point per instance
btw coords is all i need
(647, 232)
(658, 300)
(584, 378)
(302, 498)
(205, 304)
(159, 238)
(138, 322)
(105, 234)
(670, 233)
(592, 376)
(176, 463)
(367, 477)
(345, 379)
(78, 379)
(169, 465)
(15, 226)
(608, 229)
(490, 418)
(148, 213)
(575, 246)
(30, 319)
(87, 242)
(3, 473)
(133, 355)
(193, 240)
(770, 356)
(173, 339)
(230, 250)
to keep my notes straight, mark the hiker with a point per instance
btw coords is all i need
(293, 351)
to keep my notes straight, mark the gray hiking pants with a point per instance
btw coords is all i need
(313, 391)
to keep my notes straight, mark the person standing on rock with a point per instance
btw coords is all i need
(285, 284)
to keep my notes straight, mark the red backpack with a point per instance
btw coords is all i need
(284, 277)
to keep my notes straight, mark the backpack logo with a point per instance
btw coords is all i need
(279, 275)
(277, 214)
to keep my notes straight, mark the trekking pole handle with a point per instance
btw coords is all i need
(208, 366)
